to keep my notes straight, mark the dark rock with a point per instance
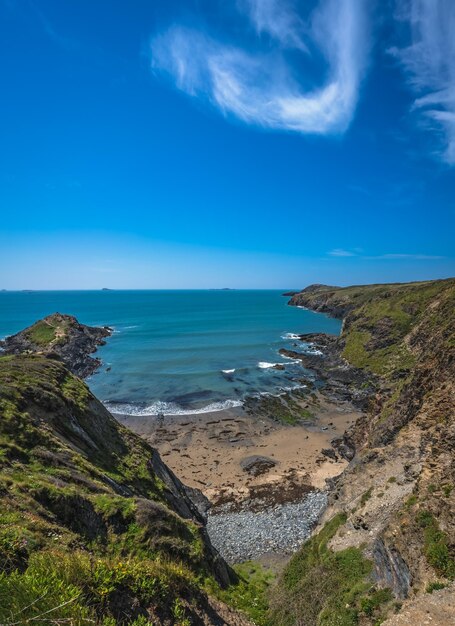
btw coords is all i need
(63, 338)
(390, 569)
(330, 453)
(257, 465)
(344, 446)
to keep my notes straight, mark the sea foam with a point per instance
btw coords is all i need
(264, 365)
(168, 408)
(288, 336)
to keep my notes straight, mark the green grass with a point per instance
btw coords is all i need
(251, 594)
(320, 587)
(41, 334)
(435, 586)
(366, 496)
(64, 462)
(380, 316)
(75, 588)
(436, 546)
(382, 361)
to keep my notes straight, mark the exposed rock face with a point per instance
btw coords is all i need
(397, 494)
(257, 465)
(437, 609)
(324, 299)
(341, 380)
(60, 336)
(69, 470)
(391, 570)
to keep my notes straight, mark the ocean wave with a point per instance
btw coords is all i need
(264, 365)
(228, 371)
(280, 391)
(288, 336)
(311, 350)
(121, 329)
(167, 408)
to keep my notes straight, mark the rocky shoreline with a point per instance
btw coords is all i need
(380, 396)
(61, 337)
(280, 529)
(263, 468)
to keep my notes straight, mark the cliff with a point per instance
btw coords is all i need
(60, 336)
(94, 528)
(389, 531)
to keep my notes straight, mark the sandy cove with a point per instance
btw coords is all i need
(206, 450)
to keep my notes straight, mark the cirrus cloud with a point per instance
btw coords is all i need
(260, 84)
(429, 65)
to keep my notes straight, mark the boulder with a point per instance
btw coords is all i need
(257, 465)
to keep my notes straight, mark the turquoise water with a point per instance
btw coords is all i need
(179, 351)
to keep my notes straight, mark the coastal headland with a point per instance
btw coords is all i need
(344, 487)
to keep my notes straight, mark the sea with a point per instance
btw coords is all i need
(180, 352)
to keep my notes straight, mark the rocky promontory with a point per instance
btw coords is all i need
(94, 527)
(62, 337)
(388, 533)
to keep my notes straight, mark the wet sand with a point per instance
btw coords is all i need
(205, 451)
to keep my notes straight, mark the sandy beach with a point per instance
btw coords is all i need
(206, 451)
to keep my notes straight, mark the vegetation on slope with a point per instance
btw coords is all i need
(404, 334)
(61, 336)
(320, 586)
(93, 527)
(377, 319)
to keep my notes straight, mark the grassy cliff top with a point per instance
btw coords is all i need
(404, 335)
(51, 330)
(63, 337)
(380, 320)
(93, 526)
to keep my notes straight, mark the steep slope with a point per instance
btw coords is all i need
(93, 526)
(60, 336)
(390, 528)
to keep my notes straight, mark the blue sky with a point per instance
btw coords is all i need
(204, 143)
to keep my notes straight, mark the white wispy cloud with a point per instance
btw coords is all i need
(429, 63)
(411, 257)
(341, 253)
(279, 20)
(357, 252)
(262, 86)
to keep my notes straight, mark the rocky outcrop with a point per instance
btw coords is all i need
(436, 608)
(390, 569)
(324, 299)
(79, 487)
(321, 354)
(62, 337)
(396, 497)
(257, 465)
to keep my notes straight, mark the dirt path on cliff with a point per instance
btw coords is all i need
(435, 609)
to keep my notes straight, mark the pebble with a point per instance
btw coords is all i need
(241, 536)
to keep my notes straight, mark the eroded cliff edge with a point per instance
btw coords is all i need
(93, 525)
(389, 530)
(60, 336)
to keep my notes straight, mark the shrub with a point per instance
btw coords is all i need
(320, 587)
(79, 589)
(436, 545)
(435, 586)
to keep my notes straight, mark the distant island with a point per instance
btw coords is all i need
(365, 507)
